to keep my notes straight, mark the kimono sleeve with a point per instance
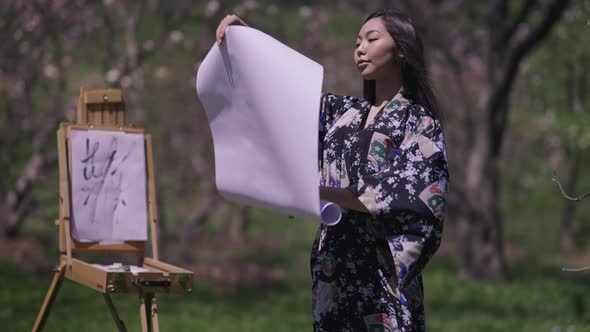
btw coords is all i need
(331, 108)
(408, 198)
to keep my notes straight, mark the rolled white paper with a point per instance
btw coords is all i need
(330, 213)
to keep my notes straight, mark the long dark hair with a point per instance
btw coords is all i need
(415, 77)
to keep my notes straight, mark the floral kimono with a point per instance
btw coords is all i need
(366, 270)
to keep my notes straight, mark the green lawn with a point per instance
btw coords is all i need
(539, 298)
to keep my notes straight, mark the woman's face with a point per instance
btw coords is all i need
(375, 53)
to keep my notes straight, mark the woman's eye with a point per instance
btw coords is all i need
(372, 39)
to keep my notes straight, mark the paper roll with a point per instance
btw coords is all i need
(330, 213)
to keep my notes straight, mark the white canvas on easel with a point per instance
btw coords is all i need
(108, 186)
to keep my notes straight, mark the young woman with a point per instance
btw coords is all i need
(383, 159)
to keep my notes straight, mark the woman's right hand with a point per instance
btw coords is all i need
(227, 20)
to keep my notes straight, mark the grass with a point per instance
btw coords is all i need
(538, 298)
(276, 308)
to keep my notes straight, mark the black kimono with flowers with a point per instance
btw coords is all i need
(366, 270)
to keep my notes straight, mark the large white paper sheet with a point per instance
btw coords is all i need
(262, 100)
(109, 200)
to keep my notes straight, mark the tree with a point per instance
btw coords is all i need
(37, 45)
(51, 49)
(565, 77)
(488, 59)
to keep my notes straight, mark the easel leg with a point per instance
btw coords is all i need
(155, 323)
(58, 278)
(113, 310)
(146, 311)
(142, 313)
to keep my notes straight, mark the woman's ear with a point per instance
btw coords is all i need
(399, 58)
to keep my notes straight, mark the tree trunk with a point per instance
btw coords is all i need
(189, 233)
(239, 224)
(480, 224)
(568, 244)
(162, 224)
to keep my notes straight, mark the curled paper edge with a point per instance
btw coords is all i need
(330, 213)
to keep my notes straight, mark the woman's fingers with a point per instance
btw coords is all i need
(219, 34)
(227, 20)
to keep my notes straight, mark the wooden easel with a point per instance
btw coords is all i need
(105, 110)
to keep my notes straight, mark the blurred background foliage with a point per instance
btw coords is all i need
(509, 229)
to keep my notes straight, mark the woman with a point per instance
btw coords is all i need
(382, 159)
